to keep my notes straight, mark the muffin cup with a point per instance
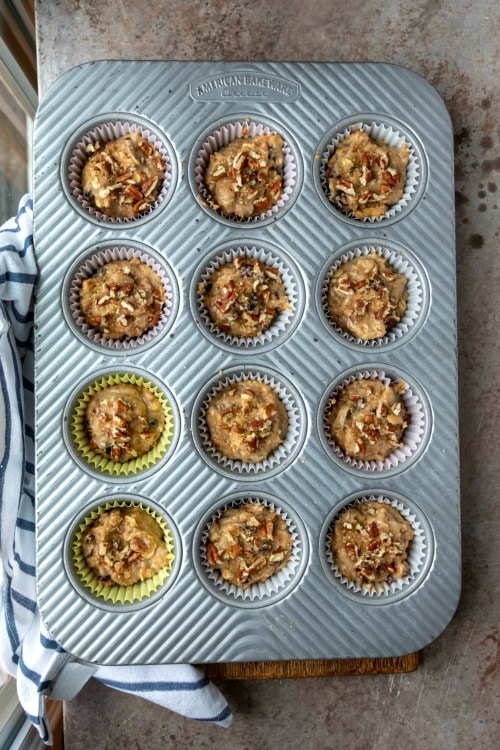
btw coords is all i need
(226, 134)
(379, 129)
(118, 594)
(109, 131)
(284, 322)
(259, 593)
(418, 554)
(282, 456)
(412, 436)
(403, 264)
(86, 268)
(99, 463)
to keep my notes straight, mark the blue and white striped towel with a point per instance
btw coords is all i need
(27, 650)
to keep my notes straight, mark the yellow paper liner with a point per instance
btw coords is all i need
(117, 594)
(101, 463)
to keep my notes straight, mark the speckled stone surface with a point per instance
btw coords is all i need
(451, 701)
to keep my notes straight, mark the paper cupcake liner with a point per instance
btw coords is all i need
(411, 438)
(416, 554)
(378, 131)
(103, 464)
(281, 455)
(414, 306)
(222, 137)
(117, 594)
(282, 320)
(273, 585)
(107, 132)
(88, 268)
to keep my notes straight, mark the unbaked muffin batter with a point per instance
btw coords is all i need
(367, 418)
(123, 177)
(243, 297)
(124, 546)
(122, 299)
(366, 177)
(244, 178)
(370, 543)
(367, 297)
(248, 544)
(247, 421)
(124, 421)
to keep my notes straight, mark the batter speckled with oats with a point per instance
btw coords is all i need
(124, 546)
(247, 421)
(248, 544)
(366, 177)
(367, 297)
(243, 297)
(367, 418)
(124, 421)
(123, 177)
(123, 298)
(244, 178)
(370, 543)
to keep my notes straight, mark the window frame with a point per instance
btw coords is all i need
(15, 728)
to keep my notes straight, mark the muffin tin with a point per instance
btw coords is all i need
(189, 108)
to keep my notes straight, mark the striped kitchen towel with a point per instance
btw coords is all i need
(27, 650)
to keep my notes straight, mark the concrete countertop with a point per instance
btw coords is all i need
(451, 701)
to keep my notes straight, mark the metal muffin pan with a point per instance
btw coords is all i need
(314, 615)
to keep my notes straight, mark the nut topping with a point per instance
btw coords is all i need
(244, 178)
(366, 177)
(359, 427)
(366, 297)
(248, 544)
(370, 544)
(122, 177)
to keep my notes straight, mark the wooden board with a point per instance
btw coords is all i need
(266, 670)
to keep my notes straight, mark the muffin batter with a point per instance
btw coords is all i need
(366, 296)
(367, 419)
(124, 421)
(366, 177)
(123, 177)
(249, 544)
(247, 421)
(244, 297)
(122, 299)
(125, 546)
(244, 178)
(370, 544)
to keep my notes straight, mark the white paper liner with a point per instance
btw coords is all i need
(282, 319)
(277, 581)
(281, 453)
(416, 552)
(412, 435)
(108, 132)
(402, 265)
(222, 137)
(378, 131)
(88, 268)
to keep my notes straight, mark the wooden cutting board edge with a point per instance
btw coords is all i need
(268, 670)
